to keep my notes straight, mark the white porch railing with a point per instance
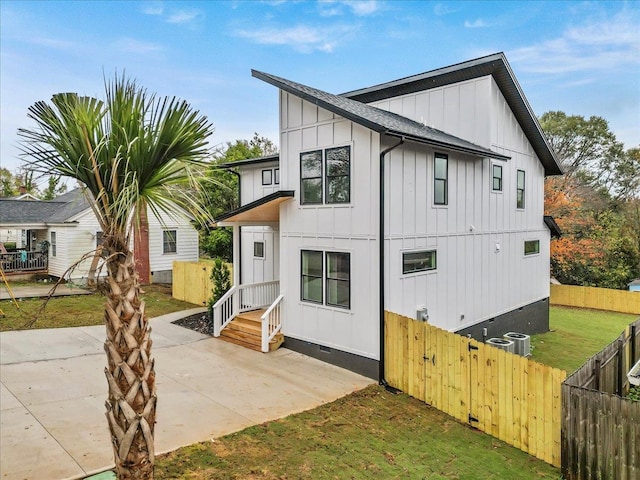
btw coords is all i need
(243, 299)
(271, 323)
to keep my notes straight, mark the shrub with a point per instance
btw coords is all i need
(221, 280)
(634, 394)
(218, 243)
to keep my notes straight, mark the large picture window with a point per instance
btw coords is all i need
(169, 244)
(520, 189)
(441, 179)
(325, 176)
(326, 278)
(422, 261)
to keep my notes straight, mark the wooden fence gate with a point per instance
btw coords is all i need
(505, 395)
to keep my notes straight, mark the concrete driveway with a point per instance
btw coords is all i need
(52, 393)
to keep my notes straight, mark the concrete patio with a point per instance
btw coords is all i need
(52, 394)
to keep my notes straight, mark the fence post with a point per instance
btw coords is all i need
(633, 345)
(622, 374)
(596, 374)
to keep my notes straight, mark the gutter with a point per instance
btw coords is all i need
(381, 275)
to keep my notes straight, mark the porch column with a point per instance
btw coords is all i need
(236, 255)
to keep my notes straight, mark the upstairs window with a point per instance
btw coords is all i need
(325, 176)
(497, 178)
(267, 177)
(169, 244)
(441, 179)
(276, 176)
(520, 190)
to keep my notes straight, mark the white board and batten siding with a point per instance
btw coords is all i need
(348, 228)
(266, 268)
(479, 236)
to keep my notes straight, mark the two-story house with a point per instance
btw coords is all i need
(423, 196)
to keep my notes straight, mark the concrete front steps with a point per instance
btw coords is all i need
(246, 330)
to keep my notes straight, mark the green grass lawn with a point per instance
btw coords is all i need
(576, 335)
(370, 434)
(81, 310)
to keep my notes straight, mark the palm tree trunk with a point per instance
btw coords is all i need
(131, 404)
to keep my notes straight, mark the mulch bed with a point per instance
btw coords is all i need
(199, 322)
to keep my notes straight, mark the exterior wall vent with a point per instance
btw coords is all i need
(521, 342)
(502, 344)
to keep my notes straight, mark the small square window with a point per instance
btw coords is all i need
(423, 261)
(267, 177)
(497, 178)
(169, 244)
(276, 176)
(258, 249)
(531, 247)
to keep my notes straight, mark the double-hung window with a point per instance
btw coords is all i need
(497, 178)
(441, 179)
(326, 278)
(169, 244)
(54, 244)
(325, 176)
(520, 190)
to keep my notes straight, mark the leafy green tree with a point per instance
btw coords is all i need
(221, 279)
(8, 182)
(54, 188)
(222, 189)
(130, 152)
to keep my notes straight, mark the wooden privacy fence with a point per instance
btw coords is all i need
(600, 428)
(192, 282)
(507, 396)
(621, 301)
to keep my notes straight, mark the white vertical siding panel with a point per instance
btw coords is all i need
(309, 138)
(309, 113)
(408, 193)
(294, 113)
(451, 120)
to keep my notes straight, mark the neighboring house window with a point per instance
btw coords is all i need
(311, 177)
(440, 179)
(497, 178)
(331, 184)
(338, 177)
(422, 261)
(54, 244)
(169, 244)
(311, 276)
(520, 190)
(326, 275)
(531, 247)
(276, 176)
(267, 177)
(258, 249)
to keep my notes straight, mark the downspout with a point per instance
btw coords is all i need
(381, 275)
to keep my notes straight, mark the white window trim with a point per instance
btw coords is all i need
(529, 255)
(431, 271)
(323, 150)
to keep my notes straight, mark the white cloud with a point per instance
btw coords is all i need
(443, 9)
(51, 43)
(183, 16)
(478, 23)
(608, 44)
(360, 8)
(302, 38)
(132, 45)
(153, 8)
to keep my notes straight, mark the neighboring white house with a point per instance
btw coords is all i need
(422, 196)
(71, 229)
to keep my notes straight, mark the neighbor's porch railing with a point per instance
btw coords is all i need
(23, 261)
(271, 323)
(243, 299)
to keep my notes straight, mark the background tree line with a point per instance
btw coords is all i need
(596, 203)
(12, 183)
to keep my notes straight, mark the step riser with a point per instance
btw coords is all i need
(246, 331)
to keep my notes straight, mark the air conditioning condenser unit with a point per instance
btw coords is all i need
(521, 341)
(502, 344)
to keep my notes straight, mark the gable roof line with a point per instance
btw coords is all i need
(378, 120)
(495, 65)
(250, 161)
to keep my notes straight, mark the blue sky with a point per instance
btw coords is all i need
(579, 57)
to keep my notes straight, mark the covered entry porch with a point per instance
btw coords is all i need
(249, 314)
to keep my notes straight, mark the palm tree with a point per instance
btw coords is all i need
(130, 152)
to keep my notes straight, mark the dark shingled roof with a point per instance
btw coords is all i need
(58, 210)
(495, 65)
(376, 119)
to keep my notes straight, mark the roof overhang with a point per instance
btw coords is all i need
(275, 158)
(553, 227)
(264, 211)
